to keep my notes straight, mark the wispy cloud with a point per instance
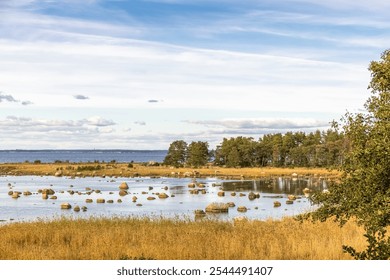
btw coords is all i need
(80, 97)
(25, 124)
(140, 123)
(261, 124)
(25, 103)
(8, 98)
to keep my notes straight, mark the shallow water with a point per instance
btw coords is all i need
(182, 204)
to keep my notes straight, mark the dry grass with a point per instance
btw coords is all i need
(122, 169)
(143, 238)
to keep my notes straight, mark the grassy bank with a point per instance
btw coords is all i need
(142, 238)
(126, 170)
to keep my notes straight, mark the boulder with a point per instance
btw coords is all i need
(217, 207)
(194, 191)
(123, 186)
(291, 197)
(66, 205)
(162, 195)
(277, 204)
(123, 193)
(242, 209)
(15, 195)
(221, 193)
(199, 212)
(48, 191)
(231, 204)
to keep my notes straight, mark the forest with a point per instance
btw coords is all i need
(292, 149)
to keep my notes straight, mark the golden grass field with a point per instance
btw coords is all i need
(122, 169)
(164, 239)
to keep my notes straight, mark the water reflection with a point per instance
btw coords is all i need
(277, 185)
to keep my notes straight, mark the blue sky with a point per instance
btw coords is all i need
(141, 74)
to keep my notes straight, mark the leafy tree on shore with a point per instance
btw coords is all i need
(177, 153)
(364, 191)
(198, 153)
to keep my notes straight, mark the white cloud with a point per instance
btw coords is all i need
(275, 123)
(97, 121)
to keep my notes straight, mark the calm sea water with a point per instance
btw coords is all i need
(48, 156)
(180, 203)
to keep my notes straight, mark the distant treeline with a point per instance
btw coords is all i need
(292, 149)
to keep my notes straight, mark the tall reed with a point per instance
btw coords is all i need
(146, 238)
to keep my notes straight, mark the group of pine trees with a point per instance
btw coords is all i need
(314, 149)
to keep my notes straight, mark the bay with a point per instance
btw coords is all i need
(181, 203)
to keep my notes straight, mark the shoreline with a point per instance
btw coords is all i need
(129, 170)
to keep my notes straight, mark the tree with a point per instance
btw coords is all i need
(364, 191)
(177, 153)
(198, 153)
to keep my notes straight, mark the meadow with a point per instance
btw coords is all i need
(136, 169)
(177, 239)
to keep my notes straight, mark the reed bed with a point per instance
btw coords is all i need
(176, 239)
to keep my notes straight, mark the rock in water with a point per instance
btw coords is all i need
(124, 186)
(66, 205)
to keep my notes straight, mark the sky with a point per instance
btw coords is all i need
(139, 74)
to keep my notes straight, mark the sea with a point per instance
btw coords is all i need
(50, 156)
(182, 201)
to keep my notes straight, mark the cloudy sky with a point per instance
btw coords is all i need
(139, 74)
